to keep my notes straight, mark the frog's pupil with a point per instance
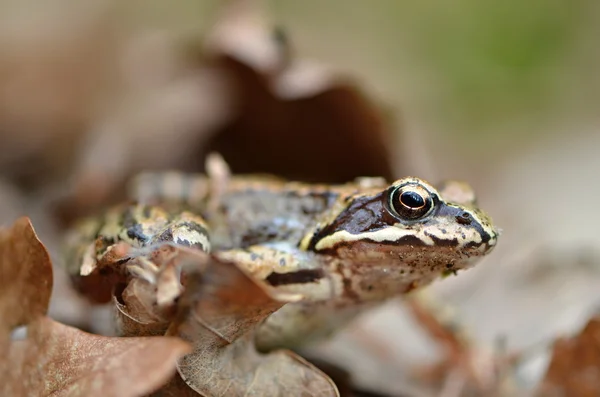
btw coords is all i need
(412, 199)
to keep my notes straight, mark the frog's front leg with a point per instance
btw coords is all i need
(287, 269)
(133, 231)
(180, 229)
(325, 306)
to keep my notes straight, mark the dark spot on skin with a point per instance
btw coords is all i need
(186, 243)
(349, 291)
(444, 231)
(472, 244)
(282, 262)
(165, 236)
(298, 277)
(370, 288)
(463, 236)
(147, 211)
(134, 229)
(444, 242)
(464, 218)
(253, 256)
(260, 234)
(136, 232)
(195, 227)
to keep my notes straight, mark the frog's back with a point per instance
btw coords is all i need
(242, 210)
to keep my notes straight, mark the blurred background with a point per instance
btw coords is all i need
(503, 95)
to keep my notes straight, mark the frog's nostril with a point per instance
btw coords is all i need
(464, 218)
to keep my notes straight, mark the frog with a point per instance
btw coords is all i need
(344, 248)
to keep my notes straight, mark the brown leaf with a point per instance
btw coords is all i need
(219, 309)
(97, 279)
(290, 109)
(59, 360)
(338, 129)
(147, 304)
(575, 367)
(25, 276)
(175, 388)
(136, 313)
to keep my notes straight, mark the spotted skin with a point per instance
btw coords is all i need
(137, 225)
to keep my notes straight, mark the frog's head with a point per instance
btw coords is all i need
(409, 225)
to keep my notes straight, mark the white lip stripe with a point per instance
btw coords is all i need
(387, 234)
(454, 232)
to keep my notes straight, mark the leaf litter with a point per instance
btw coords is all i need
(55, 359)
(214, 311)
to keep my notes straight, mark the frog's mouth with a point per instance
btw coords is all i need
(417, 254)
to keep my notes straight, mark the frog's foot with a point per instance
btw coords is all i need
(143, 268)
(156, 262)
(164, 274)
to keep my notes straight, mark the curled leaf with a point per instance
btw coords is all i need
(136, 313)
(147, 304)
(57, 360)
(258, 142)
(290, 108)
(219, 309)
(25, 276)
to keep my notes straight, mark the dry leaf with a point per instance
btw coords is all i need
(289, 109)
(57, 360)
(136, 313)
(25, 276)
(575, 367)
(175, 388)
(97, 279)
(219, 309)
(275, 135)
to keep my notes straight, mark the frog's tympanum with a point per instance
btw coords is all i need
(344, 248)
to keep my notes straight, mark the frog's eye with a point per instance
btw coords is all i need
(410, 202)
